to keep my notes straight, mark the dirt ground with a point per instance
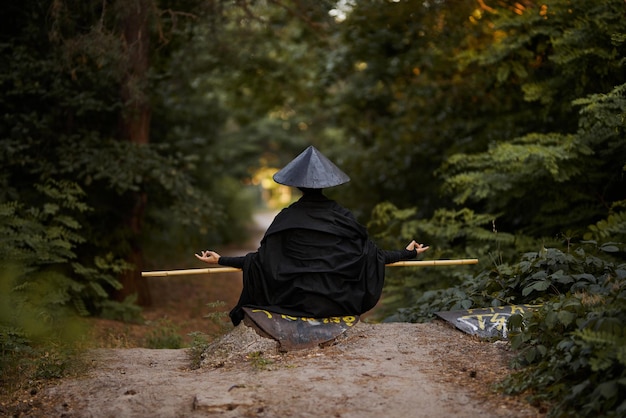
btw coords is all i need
(373, 370)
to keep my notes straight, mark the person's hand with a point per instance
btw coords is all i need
(420, 248)
(210, 257)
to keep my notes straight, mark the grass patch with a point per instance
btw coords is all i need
(199, 344)
(165, 335)
(259, 362)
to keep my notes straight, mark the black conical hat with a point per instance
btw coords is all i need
(311, 170)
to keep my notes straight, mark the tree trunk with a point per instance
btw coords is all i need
(135, 17)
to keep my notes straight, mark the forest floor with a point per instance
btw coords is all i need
(373, 370)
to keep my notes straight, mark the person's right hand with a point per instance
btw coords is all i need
(420, 248)
(210, 257)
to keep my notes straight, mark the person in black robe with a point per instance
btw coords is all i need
(315, 260)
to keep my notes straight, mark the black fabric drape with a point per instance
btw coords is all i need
(315, 260)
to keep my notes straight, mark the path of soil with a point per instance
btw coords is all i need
(374, 370)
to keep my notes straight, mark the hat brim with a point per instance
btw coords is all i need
(311, 170)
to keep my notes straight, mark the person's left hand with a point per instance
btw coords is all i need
(210, 257)
(420, 248)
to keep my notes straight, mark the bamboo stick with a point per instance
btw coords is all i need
(189, 271)
(427, 263)
(422, 263)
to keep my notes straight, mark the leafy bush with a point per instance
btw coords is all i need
(199, 344)
(572, 351)
(45, 240)
(573, 348)
(45, 287)
(38, 332)
(164, 335)
(450, 234)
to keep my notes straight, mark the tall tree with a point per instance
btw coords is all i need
(554, 54)
(399, 102)
(76, 103)
(136, 18)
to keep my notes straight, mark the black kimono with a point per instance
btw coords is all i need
(315, 260)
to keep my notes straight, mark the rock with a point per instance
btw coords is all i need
(235, 346)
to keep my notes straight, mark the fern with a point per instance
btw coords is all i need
(37, 328)
(614, 225)
(45, 239)
(609, 347)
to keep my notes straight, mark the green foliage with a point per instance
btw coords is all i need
(539, 274)
(125, 311)
(614, 225)
(392, 84)
(239, 104)
(560, 163)
(45, 241)
(491, 114)
(45, 284)
(164, 335)
(43, 235)
(450, 234)
(258, 361)
(38, 332)
(217, 315)
(575, 159)
(62, 121)
(572, 347)
(533, 162)
(198, 346)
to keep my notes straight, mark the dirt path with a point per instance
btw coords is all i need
(374, 370)
(394, 370)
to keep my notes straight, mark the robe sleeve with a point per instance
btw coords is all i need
(395, 256)
(236, 262)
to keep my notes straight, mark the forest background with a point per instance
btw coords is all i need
(487, 129)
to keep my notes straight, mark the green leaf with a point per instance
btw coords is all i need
(607, 390)
(542, 350)
(579, 388)
(467, 303)
(539, 286)
(609, 248)
(515, 321)
(566, 317)
(551, 319)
